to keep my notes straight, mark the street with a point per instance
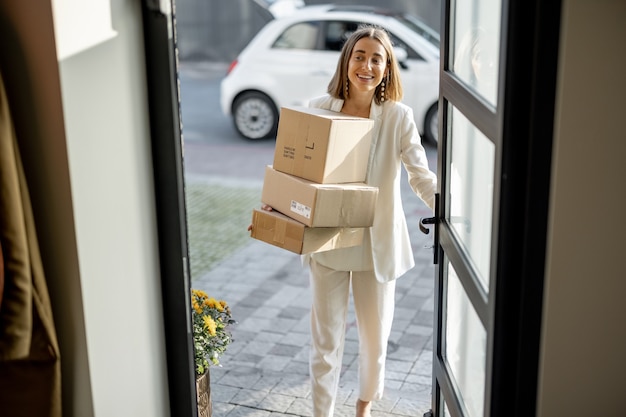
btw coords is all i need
(212, 146)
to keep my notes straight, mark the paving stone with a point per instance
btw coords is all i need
(298, 368)
(291, 312)
(276, 402)
(255, 347)
(274, 362)
(303, 354)
(221, 408)
(295, 339)
(301, 407)
(284, 350)
(241, 377)
(223, 393)
(267, 380)
(241, 411)
(294, 386)
(409, 407)
(249, 397)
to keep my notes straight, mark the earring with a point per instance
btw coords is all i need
(382, 87)
(347, 82)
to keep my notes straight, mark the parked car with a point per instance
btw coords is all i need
(292, 59)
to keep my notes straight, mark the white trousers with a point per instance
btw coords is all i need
(374, 308)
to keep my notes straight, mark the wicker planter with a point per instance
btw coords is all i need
(203, 393)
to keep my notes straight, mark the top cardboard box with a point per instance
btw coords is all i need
(322, 146)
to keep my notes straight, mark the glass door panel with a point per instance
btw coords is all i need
(465, 345)
(471, 179)
(475, 45)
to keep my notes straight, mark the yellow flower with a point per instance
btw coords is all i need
(210, 325)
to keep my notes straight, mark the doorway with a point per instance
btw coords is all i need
(266, 367)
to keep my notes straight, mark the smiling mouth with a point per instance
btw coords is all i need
(365, 77)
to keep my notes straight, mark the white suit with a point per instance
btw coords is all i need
(370, 269)
(395, 140)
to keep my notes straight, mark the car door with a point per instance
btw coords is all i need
(294, 70)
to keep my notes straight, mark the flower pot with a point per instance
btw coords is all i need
(203, 394)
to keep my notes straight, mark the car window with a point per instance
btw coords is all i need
(336, 34)
(337, 31)
(411, 54)
(302, 35)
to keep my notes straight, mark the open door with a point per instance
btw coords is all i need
(498, 72)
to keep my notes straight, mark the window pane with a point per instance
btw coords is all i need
(299, 36)
(475, 45)
(466, 341)
(471, 191)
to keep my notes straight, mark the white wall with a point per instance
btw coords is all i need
(583, 361)
(106, 120)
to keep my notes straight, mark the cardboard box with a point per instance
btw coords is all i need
(279, 230)
(322, 146)
(319, 205)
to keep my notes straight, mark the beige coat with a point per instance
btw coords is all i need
(30, 372)
(396, 142)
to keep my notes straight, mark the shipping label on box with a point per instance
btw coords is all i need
(279, 230)
(319, 205)
(322, 146)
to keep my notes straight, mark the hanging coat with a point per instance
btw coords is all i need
(30, 372)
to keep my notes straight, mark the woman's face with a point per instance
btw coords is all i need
(367, 65)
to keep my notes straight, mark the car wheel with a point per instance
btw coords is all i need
(255, 116)
(431, 124)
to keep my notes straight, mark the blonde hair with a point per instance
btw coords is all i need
(393, 86)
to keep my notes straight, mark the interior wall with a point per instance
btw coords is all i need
(83, 130)
(583, 362)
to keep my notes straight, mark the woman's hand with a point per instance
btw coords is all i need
(263, 207)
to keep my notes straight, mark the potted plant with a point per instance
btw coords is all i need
(211, 320)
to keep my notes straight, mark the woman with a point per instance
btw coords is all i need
(367, 84)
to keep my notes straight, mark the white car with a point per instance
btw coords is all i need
(292, 59)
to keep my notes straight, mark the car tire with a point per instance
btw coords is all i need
(431, 124)
(255, 116)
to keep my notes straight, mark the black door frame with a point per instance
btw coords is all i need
(167, 154)
(522, 130)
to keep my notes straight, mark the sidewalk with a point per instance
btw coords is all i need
(265, 370)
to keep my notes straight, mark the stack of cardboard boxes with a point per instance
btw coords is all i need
(316, 183)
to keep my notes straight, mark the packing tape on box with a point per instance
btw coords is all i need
(280, 230)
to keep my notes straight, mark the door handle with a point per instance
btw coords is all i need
(424, 221)
(435, 221)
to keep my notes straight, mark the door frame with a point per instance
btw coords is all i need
(521, 128)
(167, 153)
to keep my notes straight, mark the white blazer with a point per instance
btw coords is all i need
(386, 248)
